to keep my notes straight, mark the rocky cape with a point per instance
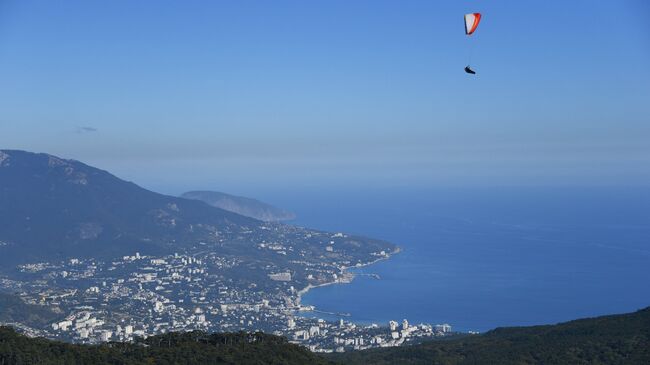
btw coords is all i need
(245, 206)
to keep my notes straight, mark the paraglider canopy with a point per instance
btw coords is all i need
(471, 22)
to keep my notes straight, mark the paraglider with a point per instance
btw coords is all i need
(471, 23)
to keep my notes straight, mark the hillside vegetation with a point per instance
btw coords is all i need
(14, 310)
(616, 339)
(174, 348)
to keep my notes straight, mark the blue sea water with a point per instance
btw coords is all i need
(484, 258)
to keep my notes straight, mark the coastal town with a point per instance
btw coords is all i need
(141, 295)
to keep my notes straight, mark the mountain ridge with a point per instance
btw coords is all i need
(65, 206)
(54, 209)
(247, 207)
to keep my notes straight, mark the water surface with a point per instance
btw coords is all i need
(483, 258)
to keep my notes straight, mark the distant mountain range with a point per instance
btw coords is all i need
(245, 206)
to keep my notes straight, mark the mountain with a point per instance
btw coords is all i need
(245, 206)
(173, 348)
(52, 207)
(615, 339)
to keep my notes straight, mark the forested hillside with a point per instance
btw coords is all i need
(608, 340)
(175, 348)
(616, 339)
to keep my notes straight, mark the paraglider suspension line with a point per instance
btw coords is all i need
(471, 52)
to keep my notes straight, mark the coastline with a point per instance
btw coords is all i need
(345, 271)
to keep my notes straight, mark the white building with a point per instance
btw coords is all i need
(282, 276)
(314, 331)
(63, 326)
(105, 336)
(392, 325)
(301, 335)
(158, 307)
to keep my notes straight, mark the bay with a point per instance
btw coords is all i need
(480, 258)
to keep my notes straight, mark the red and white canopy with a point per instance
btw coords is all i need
(471, 22)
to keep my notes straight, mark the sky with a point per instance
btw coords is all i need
(245, 95)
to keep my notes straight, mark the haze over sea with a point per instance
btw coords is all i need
(486, 257)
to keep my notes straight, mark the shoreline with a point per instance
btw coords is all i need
(344, 270)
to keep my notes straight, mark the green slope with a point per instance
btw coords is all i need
(14, 310)
(616, 339)
(176, 348)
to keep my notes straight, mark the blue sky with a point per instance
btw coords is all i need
(239, 95)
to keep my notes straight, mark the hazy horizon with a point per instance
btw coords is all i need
(241, 96)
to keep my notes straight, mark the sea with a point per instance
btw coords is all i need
(481, 258)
